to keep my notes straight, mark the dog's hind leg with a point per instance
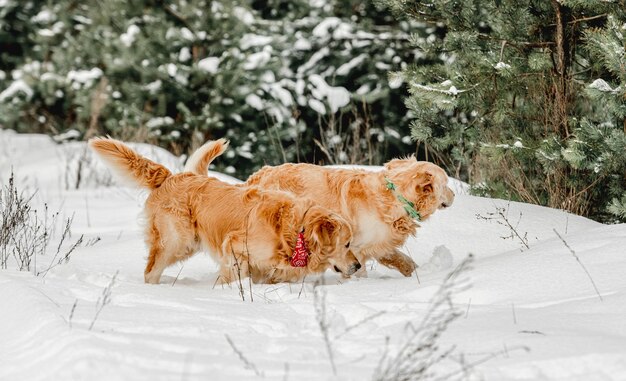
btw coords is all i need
(234, 261)
(167, 246)
(155, 265)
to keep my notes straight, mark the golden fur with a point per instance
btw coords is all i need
(250, 232)
(379, 221)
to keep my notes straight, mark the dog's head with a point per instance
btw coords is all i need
(328, 236)
(423, 183)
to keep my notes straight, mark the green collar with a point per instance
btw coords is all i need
(408, 205)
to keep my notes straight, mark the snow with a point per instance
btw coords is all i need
(315, 57)
(172, 69)
(317, 106)
(302, 44)
(209, 64)
(258, 59)
(336, 96)
(44, 17)
(282, 94)
(82, 19)
(84, 77)
(252, 40)
(184, 55)
(129, 37)
(529, 314)
(187, 34)
(153, 87)
(501, 66)
(452, 90)
(255, 102)
(601, 85)
(348, 66)
(18, 86)
(243, 15)
(322, 30)
(159, 122)
(57, 28)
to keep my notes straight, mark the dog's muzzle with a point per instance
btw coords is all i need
(354, 268)
(351, 270)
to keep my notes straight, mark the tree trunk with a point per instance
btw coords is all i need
(562, 66)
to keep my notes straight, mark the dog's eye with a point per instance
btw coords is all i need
(348, 245)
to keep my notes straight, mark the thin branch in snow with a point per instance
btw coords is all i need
(419, 351)
(359, 323)
(103, 300)
(69, 320)
(302, 286)
(533, 332)
(248, 257)
(238, 273)
(319, 300)
(514, 316)
(580, 263)
(286, 377)
(177, 275)
(247, 363)
(501, 216)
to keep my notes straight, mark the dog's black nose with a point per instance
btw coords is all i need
(337, 269)
(354, 268)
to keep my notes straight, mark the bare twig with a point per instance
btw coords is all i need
(419, 351)
(302, 286)
(238, 273)
(319, 300)
(177, 275)
(533, 332)
(248, 256)
(286, 376)
(247, 363)
(513, 310)
(580, 263)
(359, 323)
(72, 312)
(502, 218)
(103, 300)
(66, 257)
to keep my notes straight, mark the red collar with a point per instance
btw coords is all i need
(300, 253)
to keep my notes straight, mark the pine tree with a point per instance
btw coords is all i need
(528, 99)
(274, 77)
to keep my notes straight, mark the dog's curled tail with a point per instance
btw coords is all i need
(198, 162)
(129, 164)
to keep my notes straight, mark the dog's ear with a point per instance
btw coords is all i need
(279, 215)
(399, 163)
(424, 181)
(325, 229)
(251, 194)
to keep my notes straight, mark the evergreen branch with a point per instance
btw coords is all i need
(180, 18)
(590, 18)
(518, 44)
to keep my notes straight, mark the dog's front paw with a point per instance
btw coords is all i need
(400, 262)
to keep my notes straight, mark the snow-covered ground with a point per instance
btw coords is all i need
(530, 313)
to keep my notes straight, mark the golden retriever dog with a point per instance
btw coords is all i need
(250, 232)
(381, 207)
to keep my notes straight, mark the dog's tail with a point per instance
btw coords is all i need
(129, 164)
(198, 162)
